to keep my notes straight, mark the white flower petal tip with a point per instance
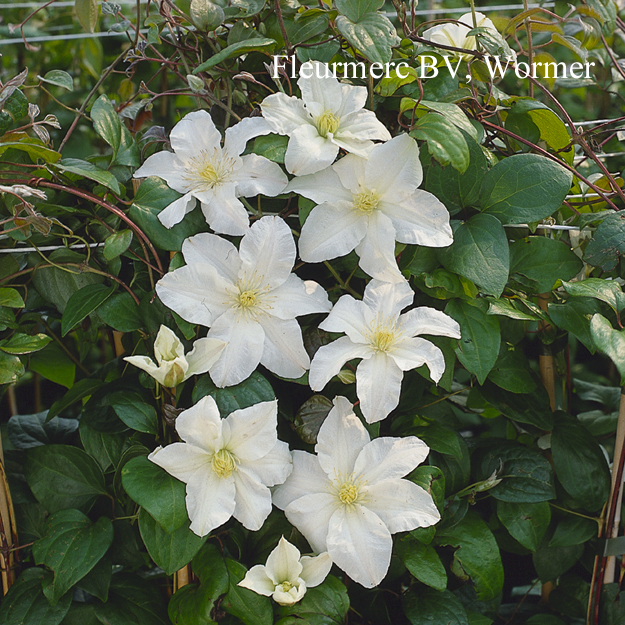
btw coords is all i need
(286, 575)
(249, 298)
(350, 498)
(367, 205)
(174, 367)
(200, 168)
(329, 116)
(388, 343)
(227, 464)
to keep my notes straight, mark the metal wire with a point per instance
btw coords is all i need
(64, 37)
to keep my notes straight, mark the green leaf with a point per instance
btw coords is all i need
(152, 197)
(272, 147)
(252, 391)
(170, 551)
(527, 522)
(306, 25)
(245, 604)
(526, 476)
(609, 341)
(162, 495)
(82, 303)
(479, 346)
(117, 244)
(310, 417)
(608, 242)
(33, 430)
(87, 13)
(11, 298)
(98, 580)
(524, 188)
(132, 409)
(532, 408)
(551, 562)
(91, 171)
(422, 561)
(507, 308)
(431, 607)
(439, 438)
(11, 368)
(25, 603)
(573, 530)
(479, 253)
(607, 291)
(107, 124)
(574, 316)
(372, 35)
(62, 476)
(59, 78)
(79, 391)
(357, 9)
(121, 312)
(33, 147)
(256, 44)
(445, 142)
(71, 547)
(512, 371)
(25, 343)
(477, 554)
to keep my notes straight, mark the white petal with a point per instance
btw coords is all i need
(329, 360)
(210, 501)
(306, 478)
(341, 438)
(361, 124)
(388, 458)
(311, 514)
(284, 113)
(324, 186)
(213, 250)
(378, 384)
(259, 175)
(196, 292)
(223, 212)
(414, 352)
(420, 219)
(257, 580)
(387, 299)
(377, 249)
(148, 365)
(204, 354)
(283, 352)
(315, 569)
(331, 230)
(426, 320)
(194, 133)
(167, 345)
(283, 562)
(394, 166)
(296, 297)
(325, 93)
(402, 505)
(267, 252)
(274, 467)
(308, 152)
(175, 212)
(201, 424)
(353, 99)
(244, 338)
(360, 544)
(292, 596)
(252, 499)
(253, 430)
(180, 460)
(351, 172)
(351, 316)
(167, 166)
(238, 135)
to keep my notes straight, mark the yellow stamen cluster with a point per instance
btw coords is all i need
(382, 340)
(246, 299)
(348, 491)
(208, 170)
(327, 123)
(366, 201)
(223, 463)
(286, 586)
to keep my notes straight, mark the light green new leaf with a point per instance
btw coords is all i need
(609, 341)
(11, 298)
(24, 343)
(87, 13)
(11, 368)
(58, 78)
(91, 171)
(607, 291)
(107, 124)
(445, 142)
(260, 44)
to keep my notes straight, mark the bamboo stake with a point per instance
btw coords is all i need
(8, 530)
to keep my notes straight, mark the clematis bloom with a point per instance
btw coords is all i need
(349, 498)
(367, 204)
(329, 116)
(227, 464)
(286, 574)
(173, 365)
(387, 342)
(202, 170)
(248, 297)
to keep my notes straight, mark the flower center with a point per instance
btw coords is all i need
(366, 201)
(327, 123)
(246, 299)
(286, 586)
(206, 171)
(382, 340)
(174, 376)
(349, 491)
(224, 463)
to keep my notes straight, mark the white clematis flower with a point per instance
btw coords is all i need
(349, 498)
(455, 35)
(249, 298)
(387, 342)
(173, 365)
(227, 464)
(202, 170)
(286, 575)
(367, 205)
(328, 117)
